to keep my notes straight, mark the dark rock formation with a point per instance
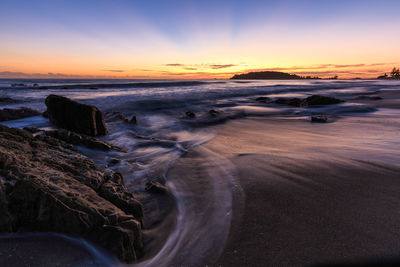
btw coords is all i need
(46, 185)
(319, 118)
(311, 101)
(156, 187)
(267, 75)
(295, 102)
(81, 140)
(213, 112)
(319, 100)
(81, 118)
(263, 99)
(190, 114)
(116, 115)
(9, 100)
(9, 114)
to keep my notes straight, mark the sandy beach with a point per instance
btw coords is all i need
(307, 193)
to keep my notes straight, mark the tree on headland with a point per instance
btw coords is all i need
(395, 74)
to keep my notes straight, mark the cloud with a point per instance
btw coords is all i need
(219, 66)
(202, 66)
(174, 65)
(115, 70)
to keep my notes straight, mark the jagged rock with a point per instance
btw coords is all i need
(213, 113)
(133, 120)
(156, 187)
(81, 118)
(319, 100)
(319, 118)
(114, 161)
(8, 114)
(116, 115)
(190, 114)
(32, 129)
(81, 140)
(53, 188)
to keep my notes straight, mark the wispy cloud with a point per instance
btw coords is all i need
(218, 66)
(201, 66)
(174, 65)
(115, 70)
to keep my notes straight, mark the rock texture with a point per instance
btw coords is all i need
(71, 115)
(8, 114)
(46, 185)
(80, 140)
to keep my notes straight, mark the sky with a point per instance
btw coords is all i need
(197, 39)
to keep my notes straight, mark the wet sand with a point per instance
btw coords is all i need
(314, 193)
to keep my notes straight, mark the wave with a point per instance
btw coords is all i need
(95, 85)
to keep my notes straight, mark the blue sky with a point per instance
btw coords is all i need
(142, 37)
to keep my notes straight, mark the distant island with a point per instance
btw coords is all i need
(272, 75)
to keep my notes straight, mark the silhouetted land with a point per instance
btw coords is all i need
(394, 75)
(267, 75)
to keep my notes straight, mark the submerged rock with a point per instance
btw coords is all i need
(295, 102)
(156, 187)
(9, 114)
(319, 118)
(319, 100)
(190, 114)
(53, 188)
(263, 99)
(9, 100)
(116, 115)
(71, 115)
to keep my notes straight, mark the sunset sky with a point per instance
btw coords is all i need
(197, 39)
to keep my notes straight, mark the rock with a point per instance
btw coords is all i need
(81, 118)
(156, 187)
(32, 129)
(8, 114)
(318, 100)
(18, 85)
(10, 100)
(116, 115)
(53, 188)
(295, 102)
(319, 118)
(133, 120)
(5, 217)
(263, 99)
(190, 114)
(213, 113)
(81, 140)
(114, 161)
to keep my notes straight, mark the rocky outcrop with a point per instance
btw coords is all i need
(9, 114)
(47, 185)
(311, 101)
(80, 140)
(8, 100)
(71, 115)
(319, 100)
